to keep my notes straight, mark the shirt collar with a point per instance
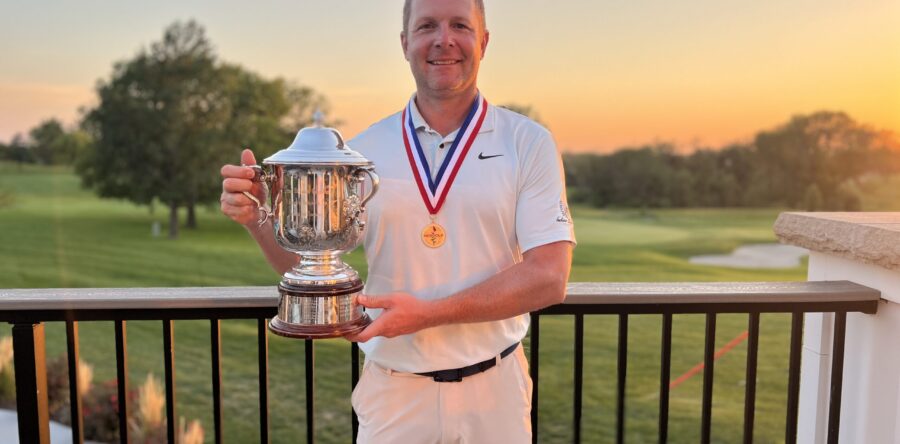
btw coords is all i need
(420, 124)
(418, 121)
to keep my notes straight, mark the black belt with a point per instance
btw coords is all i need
(457, 374)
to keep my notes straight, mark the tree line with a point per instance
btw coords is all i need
(48, 143)
(813, 162)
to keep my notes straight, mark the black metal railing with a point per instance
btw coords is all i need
(28, 309)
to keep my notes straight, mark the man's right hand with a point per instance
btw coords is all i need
(236, 180)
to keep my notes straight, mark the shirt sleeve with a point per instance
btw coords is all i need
(542, 212)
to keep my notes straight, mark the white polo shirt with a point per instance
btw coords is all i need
(508, 197)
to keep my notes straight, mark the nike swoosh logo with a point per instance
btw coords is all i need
(482, 156)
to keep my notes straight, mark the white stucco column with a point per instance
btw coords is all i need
(863, 248)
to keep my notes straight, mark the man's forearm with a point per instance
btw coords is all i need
(280, 259)
(537, 282)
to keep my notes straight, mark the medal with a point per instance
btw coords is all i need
(435, 190)
(433, 235)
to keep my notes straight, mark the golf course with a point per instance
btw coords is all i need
(55, 234)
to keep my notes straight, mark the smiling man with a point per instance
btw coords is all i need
(468, 233)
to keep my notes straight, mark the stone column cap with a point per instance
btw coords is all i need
(872, 238)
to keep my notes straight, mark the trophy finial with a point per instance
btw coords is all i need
(318, 118)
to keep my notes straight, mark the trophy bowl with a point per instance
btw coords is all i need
(317, 191)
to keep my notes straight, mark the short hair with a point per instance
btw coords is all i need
(406, 13)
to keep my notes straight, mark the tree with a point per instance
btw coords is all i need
(150, 122)
(169, 117)
(52, 145)
(718, 178)
(18, 152)
(256, 113)
(264, 114)
(822, 151)
(650, 176)
(43, 139)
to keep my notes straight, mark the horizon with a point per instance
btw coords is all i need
(696, 75)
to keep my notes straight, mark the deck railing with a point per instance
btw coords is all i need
(29, 309)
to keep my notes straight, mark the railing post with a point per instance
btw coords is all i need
(75, 406)
(354, 379)
(815, 377)
(579, 377)
(31, 383)
(533, 367)
(169, 363)
(121, 332)
(215, 338)
(309, 363)
(262, 341)
(621, 375)
(837, 375)
(794, 366)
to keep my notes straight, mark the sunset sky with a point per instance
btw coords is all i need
(600, 74)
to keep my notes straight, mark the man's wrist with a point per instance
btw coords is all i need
(437, 313)
(255, 228)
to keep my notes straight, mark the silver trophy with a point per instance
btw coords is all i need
(317, 203)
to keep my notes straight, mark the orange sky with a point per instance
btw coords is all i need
(601, 75)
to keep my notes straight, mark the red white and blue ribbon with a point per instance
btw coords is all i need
(434, 190)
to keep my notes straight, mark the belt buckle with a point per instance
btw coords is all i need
(448, 376)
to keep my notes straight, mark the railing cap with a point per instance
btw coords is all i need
(718, 292)
(73, 299)
(138, 298)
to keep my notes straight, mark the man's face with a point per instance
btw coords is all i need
(444, 43)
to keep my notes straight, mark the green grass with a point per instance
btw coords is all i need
(56, 235)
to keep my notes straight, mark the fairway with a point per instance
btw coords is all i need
(56, 235)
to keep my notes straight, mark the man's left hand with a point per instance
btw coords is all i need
(402, 314)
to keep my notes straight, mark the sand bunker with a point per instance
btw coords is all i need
(755, 256)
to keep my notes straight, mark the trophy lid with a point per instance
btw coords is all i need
(317, 145)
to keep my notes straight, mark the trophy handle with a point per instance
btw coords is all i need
(374, 178)
(260, 176)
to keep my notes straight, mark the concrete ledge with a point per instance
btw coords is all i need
(872, 238)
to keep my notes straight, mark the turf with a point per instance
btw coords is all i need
(54, 234)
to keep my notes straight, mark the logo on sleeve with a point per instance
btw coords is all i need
(564, 215)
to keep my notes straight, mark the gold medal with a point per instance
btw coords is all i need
(433, 235)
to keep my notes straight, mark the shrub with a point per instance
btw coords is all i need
(7, 374)
(100, 403)
(192, 434)
(58, 387)
(149, 425)
(6, 352)
(100, 408)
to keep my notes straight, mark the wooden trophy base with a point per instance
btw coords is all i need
(296, 331)
(319, 311)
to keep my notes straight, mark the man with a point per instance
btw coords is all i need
(468, 233)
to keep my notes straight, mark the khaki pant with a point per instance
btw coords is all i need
(491, 407)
